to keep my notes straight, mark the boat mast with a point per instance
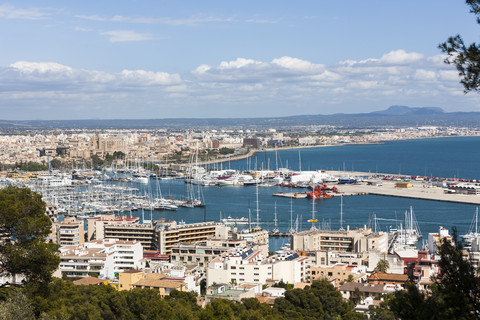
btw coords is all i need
(291, 230)
(258, 213)
(299, 162)
(313, 215)
(341, 212)
(476, 221)
(275, 229)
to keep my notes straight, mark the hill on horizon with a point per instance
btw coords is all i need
(393, 116)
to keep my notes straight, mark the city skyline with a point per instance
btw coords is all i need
(136, 59)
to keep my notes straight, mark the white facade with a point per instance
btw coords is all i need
(249, 266)
(105, 257)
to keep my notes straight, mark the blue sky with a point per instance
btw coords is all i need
(165, 59)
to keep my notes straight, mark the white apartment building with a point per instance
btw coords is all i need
(105, 257)
(248, 265)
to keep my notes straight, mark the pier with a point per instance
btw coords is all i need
(419, 190)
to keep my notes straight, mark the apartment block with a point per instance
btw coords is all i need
(103, 257)
(248, 265)
(202, 252)
(357, 240)
(161, 235)
(170, 234)
(68, 232)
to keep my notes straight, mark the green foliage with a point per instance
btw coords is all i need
(61, 299)
(96, 161)
(350, 278)
(225, 151)
(320, 300)
(23, 219)
(16, 307)
(56, 164)
(31, 166)
(382, 266)
(465, 58)
(283, 285)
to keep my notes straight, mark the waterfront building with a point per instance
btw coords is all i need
(170, 233)
(123, 228)
(252, 142)
(96, 225)
(101, 257)
(160, 235)
(356, 241)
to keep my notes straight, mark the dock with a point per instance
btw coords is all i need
(294, 195)
(419, 190)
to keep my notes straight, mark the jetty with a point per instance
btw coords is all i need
(418, 190)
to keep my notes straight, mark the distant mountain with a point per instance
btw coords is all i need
(408, 111)
(394, 116)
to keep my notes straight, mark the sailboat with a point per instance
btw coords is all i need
(410, 235)
(472, 233)
(275, 229)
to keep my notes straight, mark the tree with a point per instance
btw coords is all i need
(16, 307)
(24, 224)
(454, 295)
(457, 286)
(465, 58)
(382, 266)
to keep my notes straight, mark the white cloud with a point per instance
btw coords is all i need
(126, 35)
(240, 87)
(400, 57)
(424, 75)
(192, 21)
(61, 77)
(11, 12)
(237, 64)
(40, 67)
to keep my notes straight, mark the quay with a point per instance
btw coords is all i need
(420, 190)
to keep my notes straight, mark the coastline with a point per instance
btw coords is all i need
(252, 153)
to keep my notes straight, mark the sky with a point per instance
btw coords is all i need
(226, 59)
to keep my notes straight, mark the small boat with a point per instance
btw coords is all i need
(234, 221)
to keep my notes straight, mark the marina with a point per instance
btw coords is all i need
(372, 195)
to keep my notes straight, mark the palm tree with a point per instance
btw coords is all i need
(382, 266)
